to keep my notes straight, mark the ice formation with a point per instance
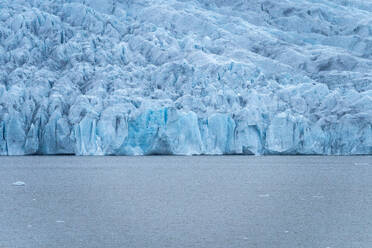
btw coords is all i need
(19, 183)
(132, 77)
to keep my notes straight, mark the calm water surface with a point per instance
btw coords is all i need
(201, 202)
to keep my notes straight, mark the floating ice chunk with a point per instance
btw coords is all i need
(318, 196)
(19, 183)
(361, 164)
(264, 195)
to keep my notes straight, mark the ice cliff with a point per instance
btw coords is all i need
(131, 77)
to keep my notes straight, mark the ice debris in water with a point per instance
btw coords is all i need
(362, 164)
(185, 77)
(318, 196)
(264, 195)
(19, 183)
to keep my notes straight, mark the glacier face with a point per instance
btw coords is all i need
(133, 77)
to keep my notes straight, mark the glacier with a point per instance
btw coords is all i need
(185, 77)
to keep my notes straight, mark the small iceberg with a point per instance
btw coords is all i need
(19, 183)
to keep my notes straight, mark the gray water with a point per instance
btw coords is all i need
(206, 202)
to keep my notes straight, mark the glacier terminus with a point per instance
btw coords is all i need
(185, 77)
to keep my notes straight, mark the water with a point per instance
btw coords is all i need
(201, 202)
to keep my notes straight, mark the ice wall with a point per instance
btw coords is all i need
(125, 77)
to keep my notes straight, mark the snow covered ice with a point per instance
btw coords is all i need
(132, 77)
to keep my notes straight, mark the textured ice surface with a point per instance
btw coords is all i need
(137, 77)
